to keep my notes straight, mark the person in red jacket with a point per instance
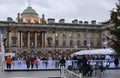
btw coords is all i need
(8, 62)
(32, 62)
(36, 62)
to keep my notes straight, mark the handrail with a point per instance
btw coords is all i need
(69, 74)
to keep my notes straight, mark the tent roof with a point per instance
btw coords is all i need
(95, 51)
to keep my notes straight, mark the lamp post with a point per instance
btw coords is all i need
(3, 43)
(105, 44)
(53, 38)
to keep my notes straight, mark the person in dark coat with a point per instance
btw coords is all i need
(74, 59)
(79, 64)
(84, 60)
(84, 65)
(27, 60)
(89, 69)
(116, 61)
(62, 62)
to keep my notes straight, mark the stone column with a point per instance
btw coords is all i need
(10, 41)
(95, 38)
(43, 39)
(21, 39)
(28, 39)
(35, 39)
(53, 36)
(86, 32)
(53, 41)
(18, 39)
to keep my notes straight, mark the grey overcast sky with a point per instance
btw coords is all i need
(83, 10)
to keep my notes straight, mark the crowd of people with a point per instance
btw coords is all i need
(81, 62)
(101, 62)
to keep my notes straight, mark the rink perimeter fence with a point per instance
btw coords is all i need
(54, 64)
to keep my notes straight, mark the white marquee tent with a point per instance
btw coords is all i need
(95, 51)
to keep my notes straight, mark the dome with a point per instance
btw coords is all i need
(29, 10)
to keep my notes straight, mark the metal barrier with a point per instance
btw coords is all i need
(54, 64)
(1, 69)
(42, 65)
(69, 74)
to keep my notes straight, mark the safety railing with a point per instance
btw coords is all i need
(65, 73)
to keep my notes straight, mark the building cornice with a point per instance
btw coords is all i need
(55, 25)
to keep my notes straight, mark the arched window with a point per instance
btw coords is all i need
(49, 39)
(71, 42)
(14, 41)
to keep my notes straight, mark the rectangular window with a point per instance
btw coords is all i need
(71, 42)
(14, 42)
(56, 43)
(64, 43)
(25, 39)
(78, 35)
(78, 43)
(85, 43)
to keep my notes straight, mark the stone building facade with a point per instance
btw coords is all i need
(32, 34)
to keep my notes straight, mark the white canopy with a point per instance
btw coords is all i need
(95, 51)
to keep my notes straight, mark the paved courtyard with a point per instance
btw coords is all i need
(31, 74)
(44, 72)
(114, 73)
